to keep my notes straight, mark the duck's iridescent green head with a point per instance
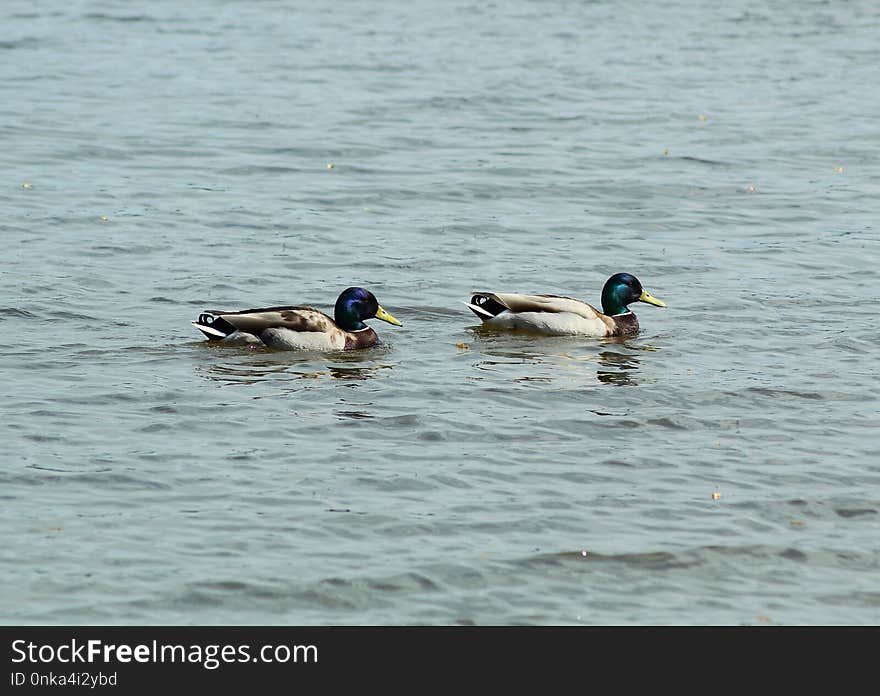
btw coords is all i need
(356, 304)
(622, 289)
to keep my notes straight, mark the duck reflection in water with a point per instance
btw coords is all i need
(615, 367)
(260, 371)
(622, 367)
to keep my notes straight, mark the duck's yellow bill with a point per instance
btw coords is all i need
(645, 297)
(384, 316)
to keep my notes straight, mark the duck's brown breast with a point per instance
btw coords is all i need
(355, 340)
(625, 324)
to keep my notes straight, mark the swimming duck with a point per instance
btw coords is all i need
(302, 328)
(563, 316)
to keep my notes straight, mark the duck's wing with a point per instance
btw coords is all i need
(220, 323)
(487, 305)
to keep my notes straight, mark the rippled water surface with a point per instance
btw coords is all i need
(719, 468)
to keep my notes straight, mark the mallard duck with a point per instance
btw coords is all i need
(302, 328)
(563, 316)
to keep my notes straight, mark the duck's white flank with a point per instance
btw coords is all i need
(241, 338)
(303, 340)
(550, 323)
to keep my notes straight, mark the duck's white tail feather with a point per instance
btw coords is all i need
(479, 311)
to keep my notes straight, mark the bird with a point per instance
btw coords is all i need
(554, 315)
(302, 328)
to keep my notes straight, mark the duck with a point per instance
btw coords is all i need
(301, 328)
(553, 315)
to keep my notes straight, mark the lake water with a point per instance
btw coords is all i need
(720, 468)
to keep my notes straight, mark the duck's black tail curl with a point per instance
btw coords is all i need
(213, 326)
(485, 306)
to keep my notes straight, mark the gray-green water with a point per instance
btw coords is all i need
(170, 157)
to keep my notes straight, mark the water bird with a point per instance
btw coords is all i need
(553, 315)
(301, 328)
